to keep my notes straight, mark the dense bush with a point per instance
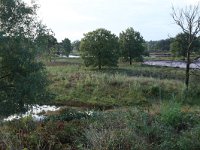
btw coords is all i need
(165, 126)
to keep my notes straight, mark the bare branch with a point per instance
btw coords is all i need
(188, 20)
(3, 77)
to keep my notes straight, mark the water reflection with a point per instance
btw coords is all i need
(176, 64)
(34, 111)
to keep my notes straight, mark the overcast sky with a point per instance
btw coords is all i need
(71, 18)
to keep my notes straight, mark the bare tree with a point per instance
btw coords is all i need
(188, 19)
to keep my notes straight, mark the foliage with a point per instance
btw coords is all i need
(99, 48)
(121, 128)
(66, 46)
(23, 79)
(131, 45)
(160, 45)
(180, 43)
(76, 45)
(46, 43)
(171, 114)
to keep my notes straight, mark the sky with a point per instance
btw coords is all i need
(72, 18)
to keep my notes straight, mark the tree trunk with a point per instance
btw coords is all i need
(187, 71)
(21, 106)
(99, 67)
(99, 61)
(130, 60)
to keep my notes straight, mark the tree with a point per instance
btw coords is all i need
(188, 20)
(131, 45)
(22, 79)
(66, 46)
(76, 45)
(178, 46)
(51, 45)
(46, 42)
(99, 48)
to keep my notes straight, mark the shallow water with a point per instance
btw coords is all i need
(175, 64)
(34, 111)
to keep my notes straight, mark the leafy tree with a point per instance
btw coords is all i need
(51, 45)
(100, 48)
(179, 45)
(46, 42)
(22, 78)
(66, 46)
(131, 45)
(76, 45)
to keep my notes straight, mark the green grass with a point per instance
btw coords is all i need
(73, 84)
(128, 107)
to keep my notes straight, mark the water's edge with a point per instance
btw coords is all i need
(35, 112)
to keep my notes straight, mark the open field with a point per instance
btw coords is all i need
(128, 107)
(122, 86)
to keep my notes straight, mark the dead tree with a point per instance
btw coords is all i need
(188, 19)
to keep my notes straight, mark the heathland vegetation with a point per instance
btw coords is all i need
(108, 98)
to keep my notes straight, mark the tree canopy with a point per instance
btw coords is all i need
(66, 46)
(22, 78)
(179, 45)
(76, 45)
(46, 42)
(100, 48)
(131, 45)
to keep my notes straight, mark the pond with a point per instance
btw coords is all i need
(35, 111)
(175, 64)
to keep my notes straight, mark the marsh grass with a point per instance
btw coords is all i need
(132, 107)
(123, 86)
(110, 88)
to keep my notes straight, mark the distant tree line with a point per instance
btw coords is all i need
(160, 45)
(49, 47)
(177, 46)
